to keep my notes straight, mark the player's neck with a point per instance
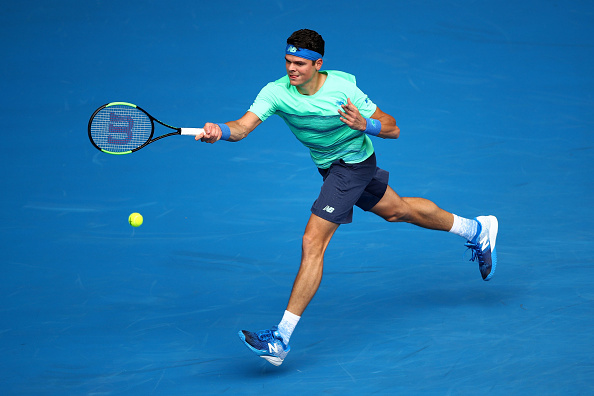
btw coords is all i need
(313, 85)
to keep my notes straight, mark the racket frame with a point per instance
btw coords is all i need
(178, 131)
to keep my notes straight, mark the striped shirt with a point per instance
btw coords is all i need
(314, 119)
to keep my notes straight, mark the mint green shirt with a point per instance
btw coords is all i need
(314, 119)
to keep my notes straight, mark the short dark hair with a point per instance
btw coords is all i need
(307, 39)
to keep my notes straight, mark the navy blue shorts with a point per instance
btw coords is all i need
(346, 185)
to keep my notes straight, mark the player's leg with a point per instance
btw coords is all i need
(273, 344)
(417, 211)
(480, 233)
(316, 238)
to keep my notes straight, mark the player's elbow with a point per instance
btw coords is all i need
(396, 132)
(392, 133)
(389, 128)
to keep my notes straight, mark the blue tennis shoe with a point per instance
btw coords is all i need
(483, 246)
(268, 344)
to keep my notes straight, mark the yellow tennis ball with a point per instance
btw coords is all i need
(135, 219)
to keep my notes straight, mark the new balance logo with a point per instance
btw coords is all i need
(484, 243)
(329, 209)
(274, 348)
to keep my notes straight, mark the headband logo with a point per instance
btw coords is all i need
(302, 52)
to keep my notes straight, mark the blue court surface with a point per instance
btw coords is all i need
(495, 101)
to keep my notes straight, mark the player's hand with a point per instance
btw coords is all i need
(350, 116)
(212, 133)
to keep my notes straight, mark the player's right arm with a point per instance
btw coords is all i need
(239, 129)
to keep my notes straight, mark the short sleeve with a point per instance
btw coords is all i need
(363, 103)
(265, 103)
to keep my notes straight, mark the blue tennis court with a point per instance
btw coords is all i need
(496, 108)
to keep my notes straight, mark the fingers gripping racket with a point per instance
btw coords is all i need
(123, 128)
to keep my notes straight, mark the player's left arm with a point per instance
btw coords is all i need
(389, 128)
(351, 116)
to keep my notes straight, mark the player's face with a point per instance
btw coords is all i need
(301, 71)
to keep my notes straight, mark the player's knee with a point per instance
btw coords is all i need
(395, 218)
(312, 247)
(310, 243)
(397, 215)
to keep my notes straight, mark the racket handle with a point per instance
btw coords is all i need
(192, 131)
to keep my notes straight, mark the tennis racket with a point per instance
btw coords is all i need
(123, 128)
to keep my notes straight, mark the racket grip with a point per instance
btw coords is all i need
(192, 131)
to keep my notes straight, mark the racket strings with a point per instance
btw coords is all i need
(120, 128)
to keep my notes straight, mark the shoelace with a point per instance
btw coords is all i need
(476, 252)
(265, 335)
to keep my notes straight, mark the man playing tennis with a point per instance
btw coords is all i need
(334, 119)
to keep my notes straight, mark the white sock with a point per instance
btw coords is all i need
(287, 325)
(466, 228)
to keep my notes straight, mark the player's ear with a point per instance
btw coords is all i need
(318, 64)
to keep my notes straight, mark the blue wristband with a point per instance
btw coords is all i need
(226, 131)
(373, 127)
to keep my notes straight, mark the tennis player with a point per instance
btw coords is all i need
(336, 121)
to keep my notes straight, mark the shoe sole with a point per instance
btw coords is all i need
(493, 229)
(273, 360)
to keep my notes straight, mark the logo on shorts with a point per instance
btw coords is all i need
(329, 209)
